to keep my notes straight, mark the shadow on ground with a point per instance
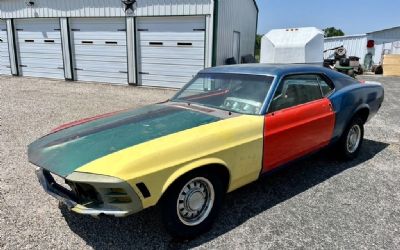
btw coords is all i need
(144, 230)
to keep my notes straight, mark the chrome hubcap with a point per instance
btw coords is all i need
(353, 138)
(195, 201)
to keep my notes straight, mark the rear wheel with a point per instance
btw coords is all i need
(352, 139)
(191, 205)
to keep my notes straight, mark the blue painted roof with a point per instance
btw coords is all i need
(272, 69)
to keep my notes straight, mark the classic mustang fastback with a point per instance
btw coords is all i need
(224, 129)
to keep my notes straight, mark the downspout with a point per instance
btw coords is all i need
(256, 33)
(215, 34)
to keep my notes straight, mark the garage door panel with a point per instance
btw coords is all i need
(39, 47)
(89, 58)
(4, 58)
(107, 42)
(167, 78)
(154, 55)
(100, 74)
(24, 35)
(171, 49)
(187, 52)
(50, 48)
(103, 66)
(42, 54)
(40, 72)
(160, 24)
(173, 44)
(194, 62)
(30, 41)
(99, 49)
(169, 68)
(97, 24)
(102, 79)
(162, 73)
(172, 36)
(49, 62)
(165, 84)
(105, 35)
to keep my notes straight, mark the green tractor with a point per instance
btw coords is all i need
(347, 65)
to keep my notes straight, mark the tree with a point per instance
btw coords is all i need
(258, 46)
(332, 31)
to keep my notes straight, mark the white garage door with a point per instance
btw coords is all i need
(99, 49)
(171, 50)
(4, 58)
(39, 47)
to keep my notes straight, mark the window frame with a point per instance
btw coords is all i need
(282, 79)
(329, 82)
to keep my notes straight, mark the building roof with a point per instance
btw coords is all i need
(392, 28)
(344, 37)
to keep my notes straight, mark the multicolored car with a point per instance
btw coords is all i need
(223, 130)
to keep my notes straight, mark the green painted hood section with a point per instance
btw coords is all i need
(66, 150)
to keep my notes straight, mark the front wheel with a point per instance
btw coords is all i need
(352, 139)
(191, 205)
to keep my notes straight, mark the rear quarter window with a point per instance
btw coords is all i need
(345, 81)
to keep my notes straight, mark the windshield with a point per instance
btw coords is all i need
(232, 92)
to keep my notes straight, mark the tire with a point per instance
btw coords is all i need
(351, 73)
(379, 70)
(185, 197)
(351, 141)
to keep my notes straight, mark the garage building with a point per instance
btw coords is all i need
(159, 43)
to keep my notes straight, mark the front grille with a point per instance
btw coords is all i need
(61, 181)
(85, 193)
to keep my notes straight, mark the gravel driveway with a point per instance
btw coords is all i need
(316, 203)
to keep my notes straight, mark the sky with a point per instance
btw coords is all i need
(352, 16)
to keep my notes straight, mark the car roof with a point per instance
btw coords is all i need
(269, 69)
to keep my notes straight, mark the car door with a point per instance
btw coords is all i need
(300, 119)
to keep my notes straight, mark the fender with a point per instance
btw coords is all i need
(193, 166)
(360, 107)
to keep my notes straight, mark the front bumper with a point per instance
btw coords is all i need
(107, 207)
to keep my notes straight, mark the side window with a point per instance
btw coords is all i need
(325, 87)
(295, 90)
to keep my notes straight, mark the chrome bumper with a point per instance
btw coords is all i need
(57, 191)
(68, 198)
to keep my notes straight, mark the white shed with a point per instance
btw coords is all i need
(296, 45)
(139, 42)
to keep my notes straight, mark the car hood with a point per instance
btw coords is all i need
(65, 150)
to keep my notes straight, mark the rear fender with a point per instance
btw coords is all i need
(360, 107)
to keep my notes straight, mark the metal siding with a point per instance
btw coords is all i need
(4, 58)
(385, 36)
(102, 8)
(384, 49)
(235, 15)
(39, 48)
(355, 46)
(161, 60)
(99, 49)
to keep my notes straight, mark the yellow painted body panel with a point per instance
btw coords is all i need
(236, 143)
